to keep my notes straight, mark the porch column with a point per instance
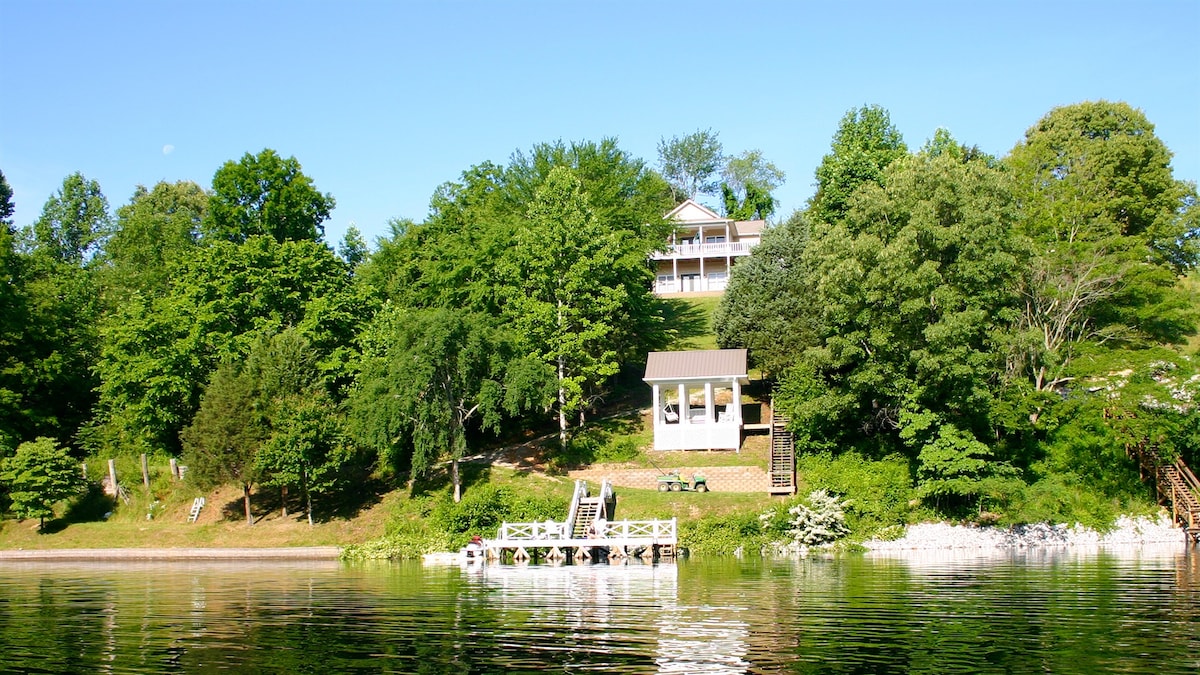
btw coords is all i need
(737, 401)
(685, 416)
(658, 413)
(708, 403)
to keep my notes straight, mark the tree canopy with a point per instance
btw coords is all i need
(265, 194)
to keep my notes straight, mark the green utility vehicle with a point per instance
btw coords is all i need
(673, 482)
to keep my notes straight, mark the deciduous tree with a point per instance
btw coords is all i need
(691, 163)
(265, 194)
(866, 142)
(39, 475)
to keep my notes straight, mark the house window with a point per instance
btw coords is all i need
(717, 239)
(666, 283)
(717, 280)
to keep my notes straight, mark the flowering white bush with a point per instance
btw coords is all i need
(821, 521)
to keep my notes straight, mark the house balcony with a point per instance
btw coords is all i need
(686, 251)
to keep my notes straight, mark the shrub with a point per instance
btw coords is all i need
(878, 492)
(722, 535)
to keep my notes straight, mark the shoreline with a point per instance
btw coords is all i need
(1127, 532)
(172, 554)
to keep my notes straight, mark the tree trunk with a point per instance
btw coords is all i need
(456, 480)
(307, 496)
(246, 499)
(562, 407)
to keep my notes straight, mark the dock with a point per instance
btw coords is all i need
(589, 534)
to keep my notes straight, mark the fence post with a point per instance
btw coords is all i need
(112, 478)
(145, 472)
(174, 468)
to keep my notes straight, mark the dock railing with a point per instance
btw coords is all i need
(655, 531)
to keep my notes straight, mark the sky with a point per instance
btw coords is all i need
(381, 102)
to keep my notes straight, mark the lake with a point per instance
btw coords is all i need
(1059, 611)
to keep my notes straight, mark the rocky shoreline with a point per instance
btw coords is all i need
(941, 536)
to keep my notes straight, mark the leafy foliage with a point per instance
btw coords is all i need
(266, 195)
(691, 162)
(865, 144)
(40, 474)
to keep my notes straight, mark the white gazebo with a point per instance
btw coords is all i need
(697, 398)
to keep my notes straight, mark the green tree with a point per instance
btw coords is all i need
(909, 298)
(865, 143)
(155, 231)
(58, 311)
(691, 163)
(265, 194)
(767, 304)
(222, 442)
(12, 321)
(353, 248)
(38, 476)
(305, 444)
(157, 350)
(74, 223)
(429, 375)
(567, 298)
(308, 447)
(1109, 228)
(749, 181)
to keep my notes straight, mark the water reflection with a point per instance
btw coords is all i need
(1049, 610)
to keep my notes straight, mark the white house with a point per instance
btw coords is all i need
(702, 249)
(697, 398)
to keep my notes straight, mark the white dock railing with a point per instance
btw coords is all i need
(550, 532)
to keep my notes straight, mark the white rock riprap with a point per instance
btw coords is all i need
(1127, 532)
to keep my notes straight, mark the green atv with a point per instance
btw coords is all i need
(672, 482)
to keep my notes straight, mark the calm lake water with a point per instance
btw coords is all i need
(1059, 611)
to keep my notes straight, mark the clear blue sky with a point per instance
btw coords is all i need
(383, 101)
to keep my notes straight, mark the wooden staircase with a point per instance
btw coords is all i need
(783, 456)
(589, 508)
(1176, 486)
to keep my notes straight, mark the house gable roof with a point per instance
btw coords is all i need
(690, 211)
(708, 364)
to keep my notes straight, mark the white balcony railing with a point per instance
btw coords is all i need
(729, 248)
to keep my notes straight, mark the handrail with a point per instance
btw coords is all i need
(656, 530)
(686, 250)
(580, 492)
(1189, 478)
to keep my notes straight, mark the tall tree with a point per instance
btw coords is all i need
(1110, 228)
(865, 143)
(155, 231)
(12, 321)
(767, 305)
(74, 223)
(433, 374)
(566, 295)
(909, 297)
(158, 350)
(222, 441)
(61, 308)
(749, 180)
(691, 163)
(265, 194)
